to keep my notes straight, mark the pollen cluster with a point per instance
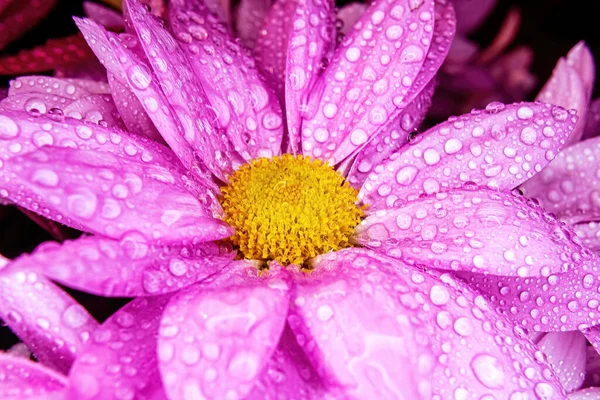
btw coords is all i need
(289, 209)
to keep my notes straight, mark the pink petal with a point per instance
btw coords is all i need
(564, 301)
(135, 74)
(23, 379)
(586, 394)
(570, 185)
(244, 105)
(216, 337)
(566, 352)
(462, 51)
(365, 88)
(120, 360)
(93, 86)
(250, 15)
(470, 14)
(568, 88)
(589, 234)
(592, 125)
(349, 15)
(46, 85)
(21, 133)
(592, 363)
(183, 92)
(220, 9)
(380, 329)
(128, 268)
(131, 110)
(20, 17)
(311, 39)
(97, 108)
(289, 374)
(109, 195)
(103, 15)
(44, 317)
(498, 147)
(471, 229)
(392, 138)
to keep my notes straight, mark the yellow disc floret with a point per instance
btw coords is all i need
(289, 209)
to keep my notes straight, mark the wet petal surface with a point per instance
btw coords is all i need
(23, 380)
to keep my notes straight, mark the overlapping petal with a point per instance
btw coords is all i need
(250, 15)
(24, 380)
(566, 352)
(129, 268)
(472, 229)
(216, 336)
(120, 360)
(46, 319)
(499, 147)
(104, 15)
(380, 328)
(242, 102)
(369, 81)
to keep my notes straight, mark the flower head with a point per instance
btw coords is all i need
(384, 318)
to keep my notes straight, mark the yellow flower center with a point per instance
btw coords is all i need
(289, 209)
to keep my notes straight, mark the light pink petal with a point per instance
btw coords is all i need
(498, 147)
(568, 88)
(216, 337)
(24, 380)
(183, 92)
(120, 360)
(289, 374)
(242, 102)
(45, 318)
(131, 110)
(47, 85)
(566, 352)
(392, 138)
(589, 234)
(592, 393)
(271, 50)
(311, 40)
(349, 14)
(94, 86)
(20, 17)
(592, 362)
(563, 301)
(474, 230)
(109, 195)
(380, 329)
(97, 108)
(36, 103)
(592, 126)
(21, 133)
(570, 185)
(368, 83)
(128, 268)
(134, 73)
(104, 15)
(470, 14)
(250, 15)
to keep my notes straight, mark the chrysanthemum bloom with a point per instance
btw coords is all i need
(239, 242)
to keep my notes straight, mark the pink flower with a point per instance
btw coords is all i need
(385, 318)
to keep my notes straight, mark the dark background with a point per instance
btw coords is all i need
(549, 27)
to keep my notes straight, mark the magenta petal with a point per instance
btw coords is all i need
(250, 15)
(26, 380)
(104, 15)
(589, 234)
(592, 126)
(568, 88)
(109, 195)
(311, 39)
(564, 301)
(216, 337)
(183, 92)
(380, 329)
(471, 13)
(392, 138)
(47, 85)
(566, 352)
(243, 103)
(289, 374)
(349, 14)
(120, 360)
(472, 230)
(128, 268)
(570, 185)
(46, 319)
(20, 16)
(499, 147)
(361, 91)
(592, 393)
